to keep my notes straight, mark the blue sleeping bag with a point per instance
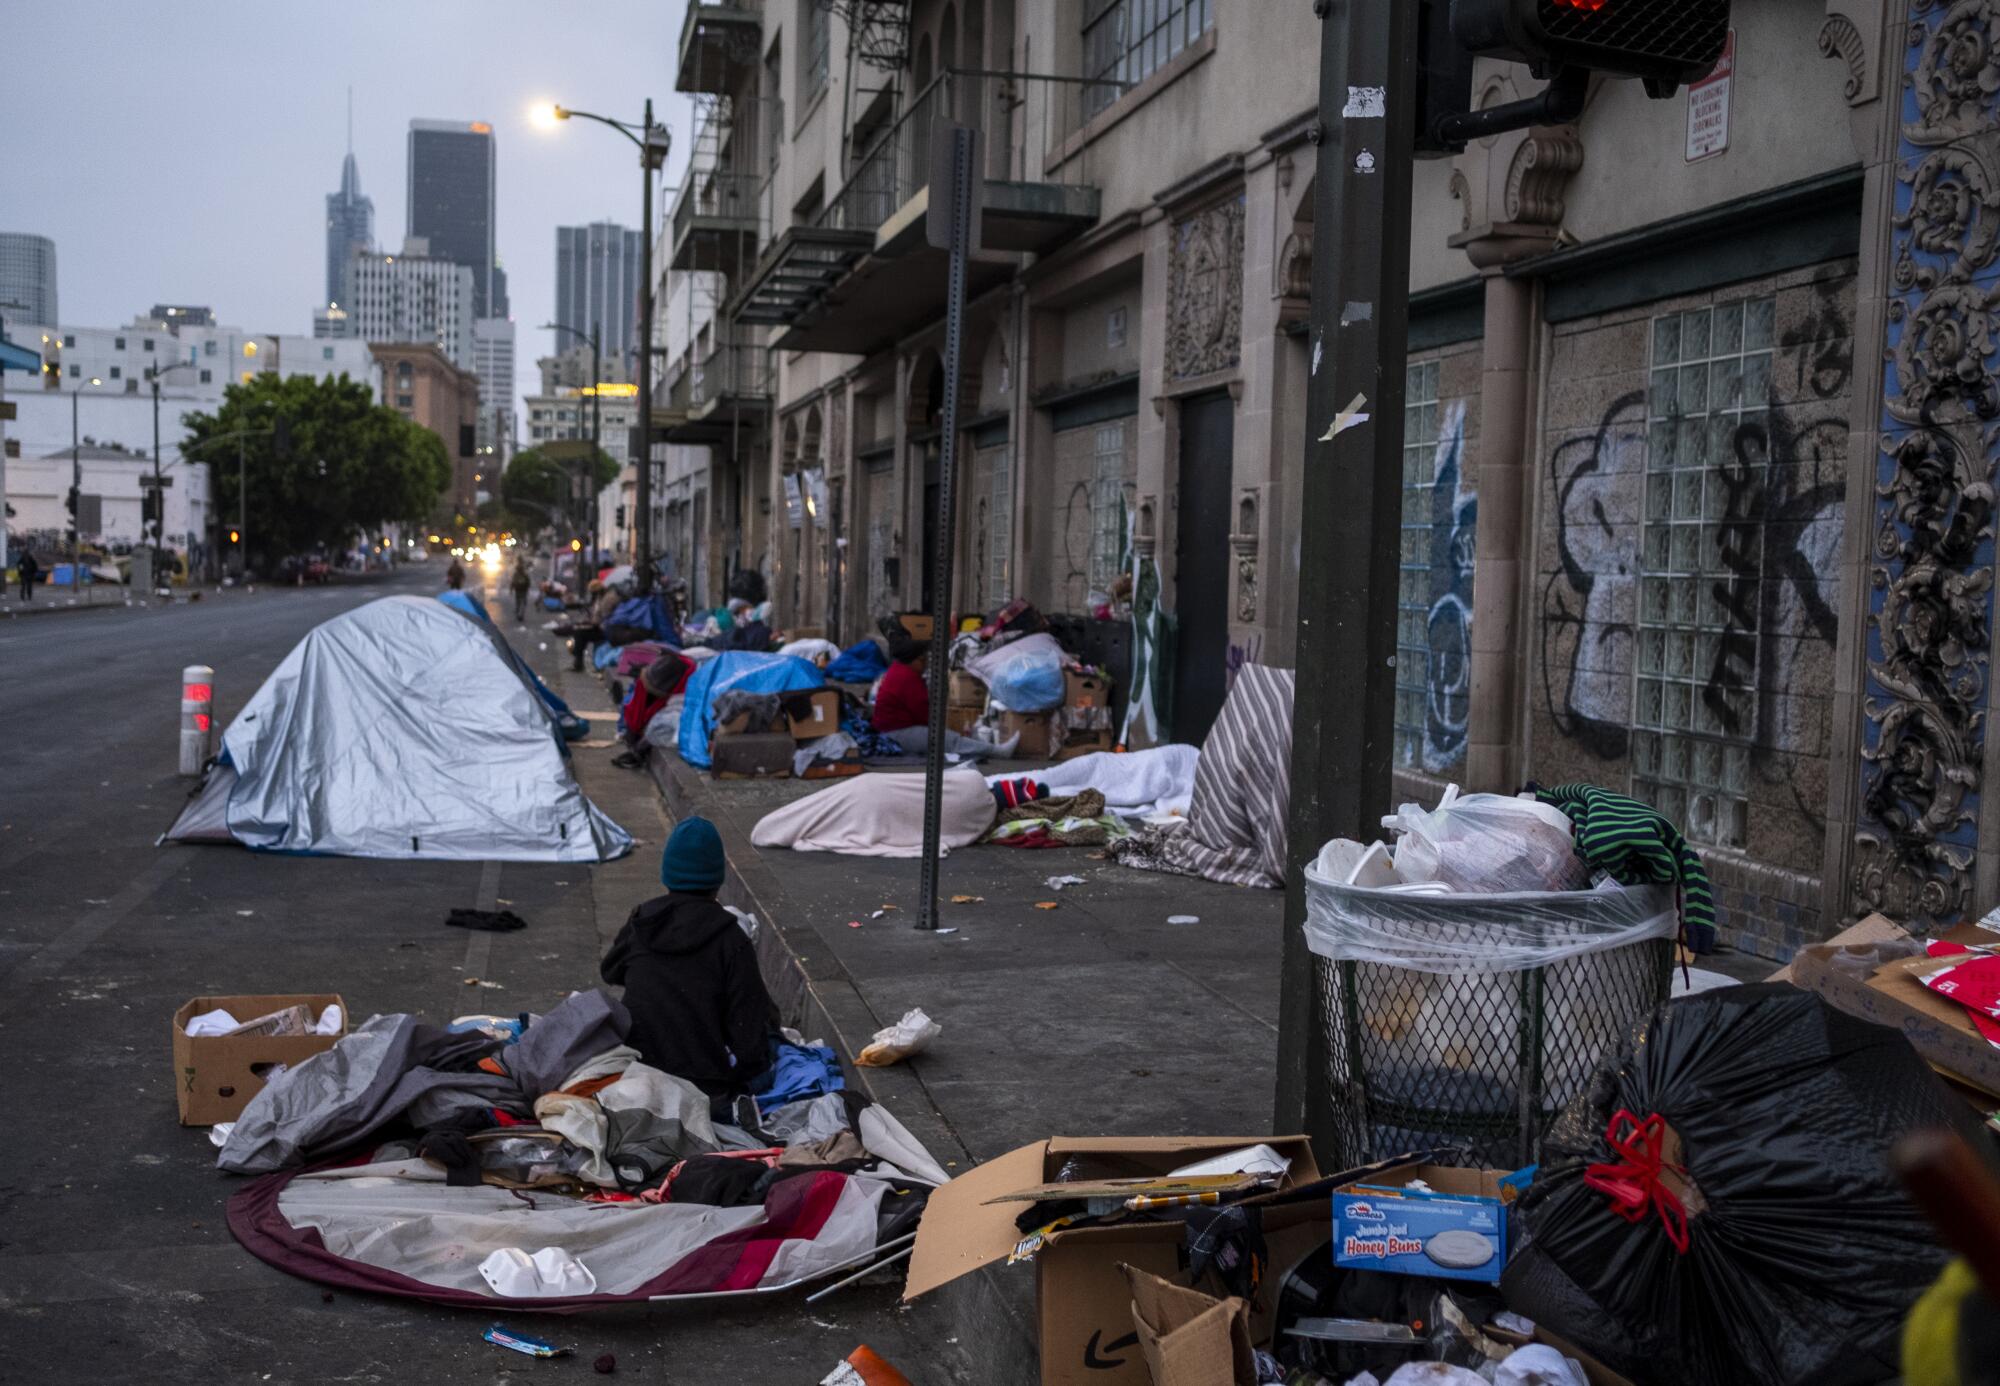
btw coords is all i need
(648, 614)
(735, 671)
(859, 663)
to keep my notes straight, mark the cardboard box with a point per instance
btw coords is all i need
(917, 624)
(1084, 1302)
(833, 770)
(1034, 731)
(1086, 690)
(962, 719)
(1381, 1225)
(735, 726)
(966, 691)
(1937, 1027)
(751, 756)
(1189, 1338)
(1084, 744)
(215, 1076)
(814, 714)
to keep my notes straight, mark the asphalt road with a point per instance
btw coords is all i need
(115, 1261)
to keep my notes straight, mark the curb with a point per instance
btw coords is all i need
(992, 1320)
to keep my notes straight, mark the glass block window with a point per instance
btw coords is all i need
(1107, 505)
(1694, 719)
(1413, 647)
(1000, 528)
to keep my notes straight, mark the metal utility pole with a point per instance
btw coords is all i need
(75, 496)
(642, 500)
(1343, 711)
(954, 225)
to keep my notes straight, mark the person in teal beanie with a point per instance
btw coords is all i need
(698, 1004)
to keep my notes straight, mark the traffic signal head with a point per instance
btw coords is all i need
(234, 537)
(1666, 42)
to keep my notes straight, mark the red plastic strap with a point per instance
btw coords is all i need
(1634, 1184)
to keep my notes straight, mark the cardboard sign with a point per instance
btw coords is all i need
(1708, 107)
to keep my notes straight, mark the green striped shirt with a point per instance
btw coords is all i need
(1635, 845)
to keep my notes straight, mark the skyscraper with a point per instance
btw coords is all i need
(28, 278)
(412, 296)
(451, 201)
(597, 284)
(350, 220)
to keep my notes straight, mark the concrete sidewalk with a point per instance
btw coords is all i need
(1095, 1018)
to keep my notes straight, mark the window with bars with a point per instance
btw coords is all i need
(1413, 649)
(1000, 528)
(813, 57)
(1107, 505)
(1126, 41)
(1707, 421)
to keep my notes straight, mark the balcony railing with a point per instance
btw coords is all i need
(1023, 118)
(732, 370)
(720, 193)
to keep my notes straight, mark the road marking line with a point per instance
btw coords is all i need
(58, 952)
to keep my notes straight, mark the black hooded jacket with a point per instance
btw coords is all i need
(696, 997)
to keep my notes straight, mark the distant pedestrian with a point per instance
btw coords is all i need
(454, 576)
(521, 584)
(27, 570)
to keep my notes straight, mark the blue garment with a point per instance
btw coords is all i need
(692, 859)
(859, 663)
(729, 672)
(871, 744)
(648, 614)
(603, 655)
(801, 1071)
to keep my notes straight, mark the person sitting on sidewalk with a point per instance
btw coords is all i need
(903, 706)
(655, 687)
(589, 629)
(698, 1003)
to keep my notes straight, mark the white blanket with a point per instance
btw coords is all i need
(1133, 783)
(880, 815)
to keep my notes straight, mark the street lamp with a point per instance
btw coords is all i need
(596, 420)
(652, 141)
(159, 486)
(76, 490)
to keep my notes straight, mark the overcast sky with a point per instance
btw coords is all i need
(182, 153)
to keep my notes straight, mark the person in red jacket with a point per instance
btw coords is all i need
(903, 706)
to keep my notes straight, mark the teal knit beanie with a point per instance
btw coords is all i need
(692, 860)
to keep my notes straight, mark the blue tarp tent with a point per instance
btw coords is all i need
(574, 728)
(862, 662)
(730, 672)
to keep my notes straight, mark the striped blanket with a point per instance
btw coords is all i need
(1235, 830)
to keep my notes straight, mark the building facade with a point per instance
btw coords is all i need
(424, 384)
(195, 363)
(27, 278)
(350, 230)
(493, 363)
(452, 174)
(112, 477)
(414, 296)
(597, 285)
(1660, 531)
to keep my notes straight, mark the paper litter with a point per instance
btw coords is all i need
(910, 1035)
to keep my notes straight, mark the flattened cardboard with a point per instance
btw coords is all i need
(1189, 1338)
(1084, 744)
(813, 714)
(215, 1076)
(1936, 1026)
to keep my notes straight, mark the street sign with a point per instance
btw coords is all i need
(147, 483)
(1708, 107)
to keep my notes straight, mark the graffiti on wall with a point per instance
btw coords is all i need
(1774, 505)
(1449, 551)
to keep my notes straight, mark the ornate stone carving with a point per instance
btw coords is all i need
(1540, 172)
(1295, 265)
(1931, 571)
(1839, 38)
(1244, 541)
(1205, 291)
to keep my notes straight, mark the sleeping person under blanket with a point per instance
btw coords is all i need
(698, 1004)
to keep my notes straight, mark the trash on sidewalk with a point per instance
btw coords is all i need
(548, 1274)
(488, 921)
(1736, 1175)
(1189, 1338)
(1084, 1300)
(1425, 1219)
(1047, 905)
(864, 1367)
(1058, 882)
(894, 1043)
(968, 899)
(221, 1065)
(522, 1343)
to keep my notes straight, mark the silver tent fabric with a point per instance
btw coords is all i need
(402, 729)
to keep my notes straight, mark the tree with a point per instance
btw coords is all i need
(537, 484)
(322, 462)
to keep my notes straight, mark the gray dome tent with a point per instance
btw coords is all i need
(401, 729)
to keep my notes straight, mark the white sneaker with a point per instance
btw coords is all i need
(1005, 749)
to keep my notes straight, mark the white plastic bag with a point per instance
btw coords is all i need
(1487, 844)
(908, 1036)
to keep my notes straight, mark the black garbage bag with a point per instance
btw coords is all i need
(1803, 1255)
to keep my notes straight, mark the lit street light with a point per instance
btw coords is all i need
(652, 141)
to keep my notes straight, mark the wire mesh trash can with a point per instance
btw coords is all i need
(1473, 1020)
